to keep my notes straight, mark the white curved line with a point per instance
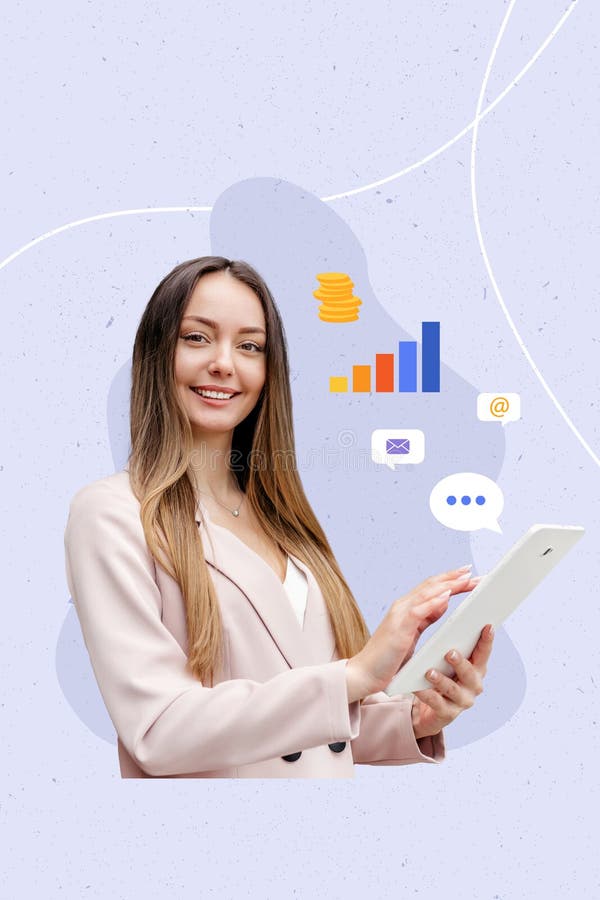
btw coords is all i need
(360, 190)
(467, 128)
(108, 215)
(486, 260)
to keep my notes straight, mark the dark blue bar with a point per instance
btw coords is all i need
(430, 357)
(407, 366)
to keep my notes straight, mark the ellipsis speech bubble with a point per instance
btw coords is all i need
(467, 501)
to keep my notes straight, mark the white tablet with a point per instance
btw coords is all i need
(495, 597)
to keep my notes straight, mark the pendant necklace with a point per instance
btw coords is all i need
(234, 512)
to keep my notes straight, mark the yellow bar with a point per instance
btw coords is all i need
(361, 379)
(338, 384)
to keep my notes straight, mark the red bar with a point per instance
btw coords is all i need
(384, 372)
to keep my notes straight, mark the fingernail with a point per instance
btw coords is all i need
(464, 568)
(433, 675)
(477, 578)
(492, 631)
(444, 595)
(453, 655)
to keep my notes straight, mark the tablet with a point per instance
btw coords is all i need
(495, 597)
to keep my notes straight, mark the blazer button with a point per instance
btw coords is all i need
(338, 747)
(292, 757)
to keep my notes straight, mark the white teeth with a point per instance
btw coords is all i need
(214, 395)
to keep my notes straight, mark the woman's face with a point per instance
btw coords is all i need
(220, 348)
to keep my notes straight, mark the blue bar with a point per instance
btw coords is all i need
(430, 357)
(407, 366)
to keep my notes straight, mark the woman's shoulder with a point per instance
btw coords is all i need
(104, 526)
(111, 492)
(105, 514)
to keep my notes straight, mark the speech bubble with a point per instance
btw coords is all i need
(392, 447)
(467, 501)
(500, 407)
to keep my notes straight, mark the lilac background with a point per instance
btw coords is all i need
(127, 107)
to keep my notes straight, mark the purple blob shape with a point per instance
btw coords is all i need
(378, 522)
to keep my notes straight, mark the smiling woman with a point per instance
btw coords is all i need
(222, 633)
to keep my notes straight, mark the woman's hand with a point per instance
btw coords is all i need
(394, 641)
(435, 708)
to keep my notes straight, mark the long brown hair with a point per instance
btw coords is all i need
(160, 468)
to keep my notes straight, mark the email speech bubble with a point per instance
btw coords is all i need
(503, 408)
(396, 446)
(467, 501)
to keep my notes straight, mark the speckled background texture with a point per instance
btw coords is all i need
(279, 127)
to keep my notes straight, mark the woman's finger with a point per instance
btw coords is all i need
(483, 649)
(431, 585)
(432, 588)
(460, 583)
(467, 585)
(427, 601)
(434, 581)
(429, 612)
(445, 709)
(454, 691)
(467, 674)
(451, 573)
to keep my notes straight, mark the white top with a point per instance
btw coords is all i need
(296, 587)
(295, 583)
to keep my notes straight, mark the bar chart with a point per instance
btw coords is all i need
(407, 368)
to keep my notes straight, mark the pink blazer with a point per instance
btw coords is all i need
(279, 706)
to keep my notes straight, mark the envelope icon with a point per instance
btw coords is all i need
(397, 445)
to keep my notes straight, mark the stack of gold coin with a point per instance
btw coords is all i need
(339, 304)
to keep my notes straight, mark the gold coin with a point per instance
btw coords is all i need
(342, 298)
(338, 319)
(336, 301)
(337, 288)
(340, 307)
(332, 295)
(333, 278)
(325, 292)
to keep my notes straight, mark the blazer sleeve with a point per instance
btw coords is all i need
(387, 737)
(168, 721)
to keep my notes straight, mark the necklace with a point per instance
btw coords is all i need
(234, 512)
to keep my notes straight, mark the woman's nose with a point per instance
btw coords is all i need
(222, 360)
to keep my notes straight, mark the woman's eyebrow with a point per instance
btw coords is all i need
(250, 329)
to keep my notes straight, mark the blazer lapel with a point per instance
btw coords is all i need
(231, 556)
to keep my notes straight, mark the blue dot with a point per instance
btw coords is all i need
(465, 500)
(480, 500)
(450, 500)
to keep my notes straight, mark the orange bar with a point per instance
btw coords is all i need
(384, 372)
(361, 379)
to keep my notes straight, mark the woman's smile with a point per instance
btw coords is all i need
(214, 397)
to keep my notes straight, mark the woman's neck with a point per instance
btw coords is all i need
(211, 467)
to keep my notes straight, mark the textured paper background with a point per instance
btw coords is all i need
(255, 113)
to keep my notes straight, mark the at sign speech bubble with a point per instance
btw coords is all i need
(467, 501)
(501, 407)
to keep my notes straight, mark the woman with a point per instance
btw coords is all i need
(223, 636)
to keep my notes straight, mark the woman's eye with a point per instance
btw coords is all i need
(197, 338)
